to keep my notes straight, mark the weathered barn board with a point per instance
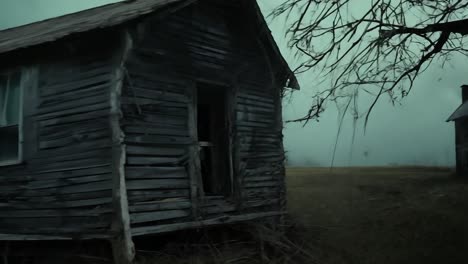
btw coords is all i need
(64, 185)
(199, 41)
(165, 115)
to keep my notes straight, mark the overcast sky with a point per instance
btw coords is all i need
(413, 134)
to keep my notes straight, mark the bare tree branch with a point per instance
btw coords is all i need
(379, 48)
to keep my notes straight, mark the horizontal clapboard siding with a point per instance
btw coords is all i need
(64, 188)
(201, 42)
(157, 139)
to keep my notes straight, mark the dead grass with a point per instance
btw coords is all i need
(383, 215)
(240, 244)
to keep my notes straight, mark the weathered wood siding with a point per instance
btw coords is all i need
(63, 189)
(206, 42)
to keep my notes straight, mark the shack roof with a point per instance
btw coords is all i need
(462, 111)
(106, 16)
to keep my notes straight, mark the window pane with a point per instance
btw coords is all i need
(12, 100)
(9, 143)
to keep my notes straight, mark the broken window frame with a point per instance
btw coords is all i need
(18, 159)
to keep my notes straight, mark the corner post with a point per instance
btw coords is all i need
(122, 244)
(196, 192)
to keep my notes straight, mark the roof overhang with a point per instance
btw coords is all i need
(59, 27)
(461, 112)
(114, 14)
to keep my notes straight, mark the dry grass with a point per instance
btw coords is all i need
(383, 215)
(240, 244)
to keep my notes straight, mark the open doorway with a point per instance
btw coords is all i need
(213, 139)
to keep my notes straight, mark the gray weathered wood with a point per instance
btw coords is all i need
(226, 219)
(122, 245)
(194, 161)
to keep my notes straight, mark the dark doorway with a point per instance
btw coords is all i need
(213, 139)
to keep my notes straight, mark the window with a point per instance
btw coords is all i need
(10, 117)
(213, 140)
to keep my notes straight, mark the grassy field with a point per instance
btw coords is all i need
(382, 215)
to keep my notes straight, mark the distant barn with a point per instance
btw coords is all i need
(460, 116)
(138, 118)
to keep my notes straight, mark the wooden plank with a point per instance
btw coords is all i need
(122, 245)
(59, 73)
(194, 168)
(155, 130)
(255, 184)
(163, 140)
(155, 172)
(262, 202)
(225, 219)
(219, 209)
(156, 161)
(74, 118)
(234, 145)
(73, 103)
(65, 130)
(151, 195)
(263, 170)
(68, 189)
(47, 224)
(45, 237)
(157, 184)
(59, 197)
(33, 213)
(155, 151)
(138, 218)
(81, 163)
(76, 138)
(57, 89)
(55, 183)
(57, 204)
(80, 93)
(261, 178)
(262, 98)
(147, 90)
(98, 148)
(167, 204)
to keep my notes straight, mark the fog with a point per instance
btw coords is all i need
(414, 133)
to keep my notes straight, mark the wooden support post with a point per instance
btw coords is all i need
(122, 244)
(282, 180)
(194, 159)
(234, 145)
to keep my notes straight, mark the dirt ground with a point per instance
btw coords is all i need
(382, 215)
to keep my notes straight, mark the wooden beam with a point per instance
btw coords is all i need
(194, 159)
(282, 180)
(234, 144)
(227, 219)
(122, 244)
(29, 237)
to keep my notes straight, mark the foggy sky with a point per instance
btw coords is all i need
(412, 134)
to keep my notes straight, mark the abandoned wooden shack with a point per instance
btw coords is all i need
(460, 117)
(138, 118)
